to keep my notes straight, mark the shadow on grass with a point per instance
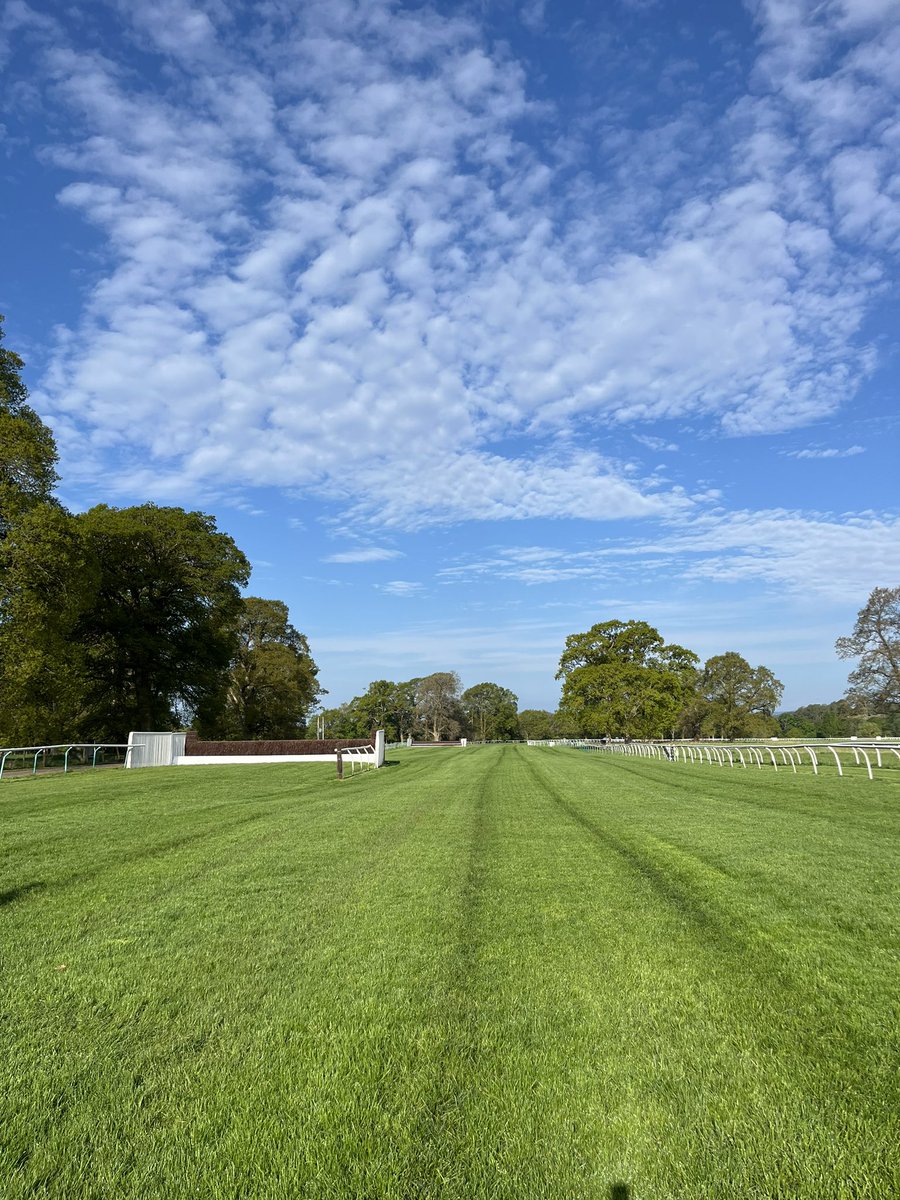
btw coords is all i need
(17, 893)
(620, 1191)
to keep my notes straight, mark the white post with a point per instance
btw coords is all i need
(379, 747)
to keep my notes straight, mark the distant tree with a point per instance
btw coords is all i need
(832, 720)
(875, 642)
(388, 706)
(27, 449)
(759, 725)
(272, 682)
(491, 713)
(339, 722)
(567, 725)
(161, 634)
(737, 696)
(790, 730)
(620, 679)
(871, 727)
(830, 724)
(437, 705)
(535, 724)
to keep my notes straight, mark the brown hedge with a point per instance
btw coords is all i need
(325, 746)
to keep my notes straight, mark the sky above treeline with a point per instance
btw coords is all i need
(475, 325)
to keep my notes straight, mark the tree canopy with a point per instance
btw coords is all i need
(272, 679)
(27, 450)
(536, 724)
(438, 707)
(162, 632)
(122, 619)
(490, 712)
(49, 581)
(875, 641)
(621, 679)
(732, 699)
(115, 620)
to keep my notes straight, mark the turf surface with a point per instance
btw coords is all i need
(499, 972)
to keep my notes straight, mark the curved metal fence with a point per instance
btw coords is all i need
(789, 756)
(60, 755)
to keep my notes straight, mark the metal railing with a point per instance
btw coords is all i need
(759, 754)
(67, 748)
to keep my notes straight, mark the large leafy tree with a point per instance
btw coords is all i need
(621, 679)
(48, 583)
(161, 634)
(272, 680)
(734, 699)
(491, 712)
(875, 642)
(437, 705)
(27, 450)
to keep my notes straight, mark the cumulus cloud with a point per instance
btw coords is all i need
(336, 263)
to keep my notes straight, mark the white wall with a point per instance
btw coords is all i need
(228, 760)
(154, 749)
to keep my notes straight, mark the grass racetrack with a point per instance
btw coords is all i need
(504, 972)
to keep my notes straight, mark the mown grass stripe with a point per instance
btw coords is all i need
(478, 975)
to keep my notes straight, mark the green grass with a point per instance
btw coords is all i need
(503, 972)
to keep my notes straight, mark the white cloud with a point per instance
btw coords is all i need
(420, 283)
(400, 587)
(533, 16)
(832, 558)
(831, 452)
(364, 554)
(655, 443)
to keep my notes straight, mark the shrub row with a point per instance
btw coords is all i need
(325, 746)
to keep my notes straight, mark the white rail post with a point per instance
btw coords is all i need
(836, 759)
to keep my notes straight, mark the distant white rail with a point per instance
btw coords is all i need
(732, 754)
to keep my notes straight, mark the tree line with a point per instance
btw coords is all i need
(431, 708)
(621, 679)
(118, 619)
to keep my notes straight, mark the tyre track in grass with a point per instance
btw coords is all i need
(743, 787)
(218, 830)
(705, 918)
(388, 1060)
(428, 1168)
(792, 1019)
(371, 850)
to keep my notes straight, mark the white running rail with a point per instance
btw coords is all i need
(757, 755)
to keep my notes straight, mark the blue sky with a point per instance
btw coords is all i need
(476, 324)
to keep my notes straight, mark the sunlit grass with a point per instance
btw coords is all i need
(503, 972)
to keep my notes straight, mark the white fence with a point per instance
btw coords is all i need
(167, 750)
(789, 756)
